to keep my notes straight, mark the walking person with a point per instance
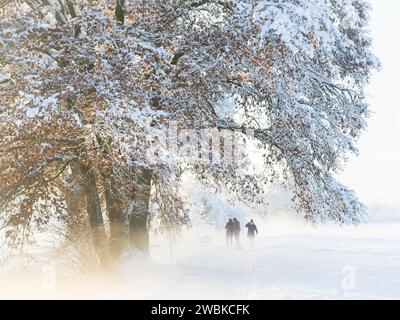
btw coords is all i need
(229, 227)
(251, 232)
(236, 232)
(186, 221)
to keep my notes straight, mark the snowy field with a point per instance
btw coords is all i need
(290, 261)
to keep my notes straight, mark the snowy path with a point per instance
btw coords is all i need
(289, 262)
(328, 263)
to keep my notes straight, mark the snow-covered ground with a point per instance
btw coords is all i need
(290, 261)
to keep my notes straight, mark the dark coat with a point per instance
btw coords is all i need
(251, 229)
(230, 226)
(236, 226)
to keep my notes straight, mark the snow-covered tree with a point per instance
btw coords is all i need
(84, 84)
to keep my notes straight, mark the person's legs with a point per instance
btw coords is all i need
(251, 241)
(237, 239)
(229, 239)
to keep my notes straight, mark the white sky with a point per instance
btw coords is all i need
(375, 174)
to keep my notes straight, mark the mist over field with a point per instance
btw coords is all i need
(291, 260)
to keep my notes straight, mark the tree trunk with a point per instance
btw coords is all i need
(75, 199)
(138, 223)
(118, 230)
(120, 11)
(93, 209)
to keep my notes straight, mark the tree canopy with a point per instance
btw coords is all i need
(87, 88)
